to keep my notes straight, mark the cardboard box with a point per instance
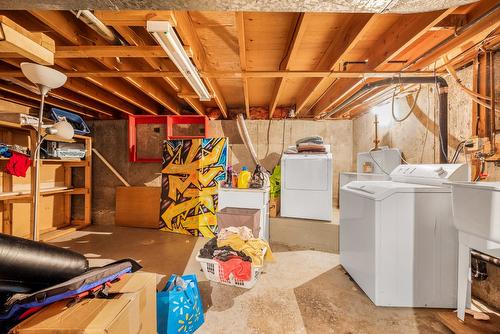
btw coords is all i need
(132, 309)
(138, 207)
(274, 207)
(240, 217)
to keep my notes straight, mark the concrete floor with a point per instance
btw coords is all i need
(303, 291)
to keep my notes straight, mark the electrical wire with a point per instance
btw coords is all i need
(376, 162)
(399, 120)
(458, 150)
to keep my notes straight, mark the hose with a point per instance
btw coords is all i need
(242, 129)
(399, 120)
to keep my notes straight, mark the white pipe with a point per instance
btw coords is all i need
(242, 129)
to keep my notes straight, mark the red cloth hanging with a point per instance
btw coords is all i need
(18, 164)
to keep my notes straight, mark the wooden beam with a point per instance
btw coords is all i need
(240, 31)
(134, 17)
(342, 42)
(84, 101)
(121, 51)
(159, 64)
(66, 94)
(402, 34)
(69, 29)
(237, 75)
(112, 85)
(92, 91)
(84, 88)
(296, 35)
(14, 89)
(17, 99)
(188, 35)
(15, 39)
(457, 45)
(195, 103)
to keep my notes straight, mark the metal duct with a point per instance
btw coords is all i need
(443, 104)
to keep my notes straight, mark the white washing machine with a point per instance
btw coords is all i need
(307, 186)
(397, 239)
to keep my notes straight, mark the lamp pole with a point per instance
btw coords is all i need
(45, 78)
(36, 186)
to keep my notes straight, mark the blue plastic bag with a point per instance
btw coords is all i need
(179, 308)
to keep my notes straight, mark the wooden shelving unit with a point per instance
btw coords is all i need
(12, 133)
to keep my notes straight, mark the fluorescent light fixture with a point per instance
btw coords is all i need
(165, 35)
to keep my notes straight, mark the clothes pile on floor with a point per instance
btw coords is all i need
(312, 144)
(235, 250)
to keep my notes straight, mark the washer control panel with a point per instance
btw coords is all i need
(430, 173)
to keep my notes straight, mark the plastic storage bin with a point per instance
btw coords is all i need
(237, 217)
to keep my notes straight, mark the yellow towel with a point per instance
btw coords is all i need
(253, 248)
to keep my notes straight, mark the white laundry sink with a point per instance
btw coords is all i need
(476, 209)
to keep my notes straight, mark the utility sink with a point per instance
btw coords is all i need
(476, 209)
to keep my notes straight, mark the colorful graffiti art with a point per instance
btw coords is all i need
(191, 172)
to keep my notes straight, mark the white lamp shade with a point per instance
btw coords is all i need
(43, 75)
(62, 129)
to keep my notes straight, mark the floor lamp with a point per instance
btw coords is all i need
(45, 78)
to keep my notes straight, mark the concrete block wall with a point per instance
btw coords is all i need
(269, 139)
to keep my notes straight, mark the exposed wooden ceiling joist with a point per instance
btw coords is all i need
(296, 35)
(88, 90)
(237, 75)
(69, 28)
(187, 34)
(134, 17)
(403, 32)
(240, 32)
(17, 90)
(177, 85)
(120, 51)
(112, 85)
(457, 45)
(336, 54)
(343, 41)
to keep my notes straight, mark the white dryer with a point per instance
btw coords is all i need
(397, 239)
(307, 186)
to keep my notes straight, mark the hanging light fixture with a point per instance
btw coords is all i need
(165, 35)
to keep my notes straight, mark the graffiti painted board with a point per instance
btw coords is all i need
(191, 172)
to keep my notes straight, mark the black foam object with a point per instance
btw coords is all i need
(34, 264)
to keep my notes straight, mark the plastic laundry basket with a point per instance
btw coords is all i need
(213, 272)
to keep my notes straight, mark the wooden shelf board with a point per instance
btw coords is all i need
(13, 195)
(62, 161)
(470, 325)
(44, 192)
(30, 128)
(50, 235)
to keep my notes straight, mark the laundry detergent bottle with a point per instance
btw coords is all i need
(244, 178)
